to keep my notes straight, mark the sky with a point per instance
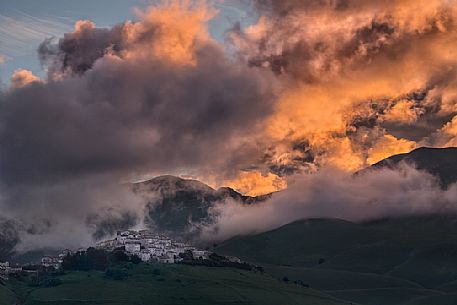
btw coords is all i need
(25, 24)
(302, 90)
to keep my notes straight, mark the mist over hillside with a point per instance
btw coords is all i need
(191, 210)
(181, 207)
(320, 137)
(440, 162)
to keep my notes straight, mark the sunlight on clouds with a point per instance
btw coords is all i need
(22, 78)
(256, 183)
(339, 87)
(177, 25)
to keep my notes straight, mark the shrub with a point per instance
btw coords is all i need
(301, 283)
(52, 282)
(117, 274)
(259, 268)
(135, 259)
(186, 256)
(118, 256)
(92, 259)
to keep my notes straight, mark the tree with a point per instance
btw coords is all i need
(92, 259)
(118, 256)
(135, 259)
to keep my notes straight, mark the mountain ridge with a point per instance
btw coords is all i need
(440, 162)
(179, 207)
(182, 206)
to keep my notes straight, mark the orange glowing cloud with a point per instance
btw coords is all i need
(404, 112)
(22, 78)
(388, 146)
(171, 31)
(255, 183)
(335, 86)
(349, 73)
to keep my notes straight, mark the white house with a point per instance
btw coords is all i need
(64, 253)
(132, 247)
(49, 261)
(166, 260)
(107, 244)
(200, 254)
(4, 265)
(149, 246)
(145, 256)
(233, 259)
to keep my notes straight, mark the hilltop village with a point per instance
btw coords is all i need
(146, 245)
(151, 247)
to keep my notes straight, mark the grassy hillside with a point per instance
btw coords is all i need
(7, 297)
(387, 296)
(327, 279)
(389, 261)
(172, 284)
(303, 243)
(448, 299)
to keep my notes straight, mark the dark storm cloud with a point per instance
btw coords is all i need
(9, 237)
(284, 7)
(157, 95)
(298, 57)
(106, 223)
(311, 40)
(79, 50)
(128, 116)
(374, 71)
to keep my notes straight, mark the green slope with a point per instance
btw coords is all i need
(386, 296)
(389, 261)
(7, 297)
(448, 299)
(176, 284)
(327, 279)
(301, 243)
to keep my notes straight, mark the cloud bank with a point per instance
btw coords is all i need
(312, 85)
(336, 194)
(156, 95)
(362, 80)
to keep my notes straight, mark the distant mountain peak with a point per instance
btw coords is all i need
(169, 183)
(440, 162)
(179, 206)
